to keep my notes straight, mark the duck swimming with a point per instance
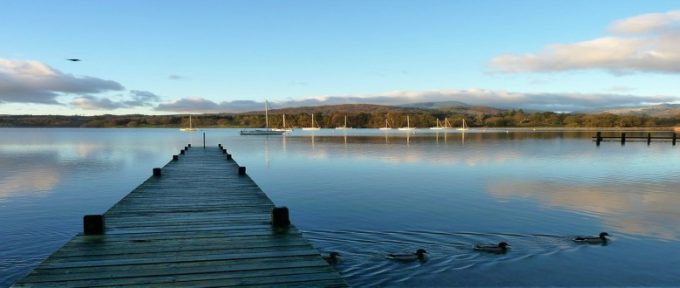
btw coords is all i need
(332, 257)
(602, 239)
(419, 255)
(501, 247)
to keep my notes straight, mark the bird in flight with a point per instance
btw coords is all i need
(73, 59)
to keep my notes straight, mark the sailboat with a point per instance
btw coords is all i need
(311, 128)
(438, 127)
(266, 130)
(447, 124)
(190, 129)
(283, 128)
(464, 128)
(387, 126)
(344, 127)
(408, 125)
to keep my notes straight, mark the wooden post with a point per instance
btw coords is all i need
(598, 138)
(280, 217)
(649, 138)
(674, 137)
(181, 152)
(229, 157)
(157, 172)
(241, 170)
(623, 138)
(224, 151)
(93, 224)
(175, 157)
(219, 146)
(188, 145)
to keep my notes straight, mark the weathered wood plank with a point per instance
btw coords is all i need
(199, 224)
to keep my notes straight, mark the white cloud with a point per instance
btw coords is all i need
(645, 43)
(30, 81)
(646, 23)
(481, 97)
(137, 98)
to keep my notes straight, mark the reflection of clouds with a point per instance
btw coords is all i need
(34, 181)
(633, 208)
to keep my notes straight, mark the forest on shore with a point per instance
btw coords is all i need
(358, 116)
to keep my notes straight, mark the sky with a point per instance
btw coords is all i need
(169, 57)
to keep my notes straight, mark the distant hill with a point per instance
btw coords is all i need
(345, 108)
(455, 107)
(436, 105)
(659, 111)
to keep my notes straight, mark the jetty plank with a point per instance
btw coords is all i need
(199, 224)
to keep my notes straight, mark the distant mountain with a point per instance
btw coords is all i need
(346, 108)
(660, 111)
(436, 105)
(455, 107)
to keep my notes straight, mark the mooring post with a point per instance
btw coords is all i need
(623, 138)
(280, 217)
(188, 146)
(181, 152)
(598, 138)
(224, 151)
(228, 156)
(175, 157)
(157, 172)
(219, 145)
(241, 170)
(649, 138)
(93, 224)
(674, 137)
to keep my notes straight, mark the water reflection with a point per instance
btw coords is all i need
(367, 193)
(635, 208)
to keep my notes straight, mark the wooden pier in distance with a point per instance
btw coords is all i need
(200, 221)
(623, 138)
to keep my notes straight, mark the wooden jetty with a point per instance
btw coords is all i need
(200, 221)
(623, 138)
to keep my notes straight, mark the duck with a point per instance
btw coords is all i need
(419, 255)
(602, 239)
(501, 247)
(332, 257)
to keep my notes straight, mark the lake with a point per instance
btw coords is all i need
(366, 193)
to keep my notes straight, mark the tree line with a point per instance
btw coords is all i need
(419, 119)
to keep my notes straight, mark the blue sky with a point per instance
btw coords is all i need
(158, 57)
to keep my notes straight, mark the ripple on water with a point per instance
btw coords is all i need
(364, 261)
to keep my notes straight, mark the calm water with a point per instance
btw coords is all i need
(365, 193)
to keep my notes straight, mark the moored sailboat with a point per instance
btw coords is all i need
(266, 130)
(438, 127)
(344, 127)
(312, 128)
(190, 128)
(408, 125)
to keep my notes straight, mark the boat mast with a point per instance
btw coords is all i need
(312, 120)
(345, 121)
(408, 123)
(284, 121)
(266, 115)
(189, 121)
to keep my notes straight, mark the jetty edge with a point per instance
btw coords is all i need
(198, 221)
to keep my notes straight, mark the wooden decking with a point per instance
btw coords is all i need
(199, 224)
